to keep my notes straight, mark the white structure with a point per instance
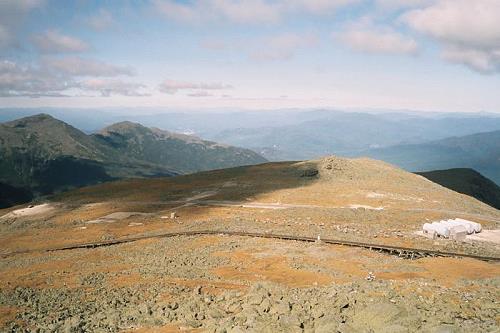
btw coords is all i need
(429, 230)
(477, 226)
(456, 229)
(458, 233)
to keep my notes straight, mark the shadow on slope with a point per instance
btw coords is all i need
(235, 184)
(10, 195)
(467, 181)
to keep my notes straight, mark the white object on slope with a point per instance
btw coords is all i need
(456, 228)
(452, 223)
(477, 226)
(458, 233)
(429, 231)
(441, 229)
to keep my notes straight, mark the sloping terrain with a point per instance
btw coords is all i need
(479, 151)
(222, 283)
(30, 147)
(467, 181)
(42, 154)
(176, 151)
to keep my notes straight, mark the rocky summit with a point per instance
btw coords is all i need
(181, 254)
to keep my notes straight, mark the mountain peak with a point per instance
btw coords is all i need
(35, 119)
(123, 126)
(41, 116)
(128, 127)
(43, 124)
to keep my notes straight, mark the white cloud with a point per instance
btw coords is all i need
(463, 22)
(468, 30)
(482, 61)
(319, 7)
(244, 11)
(77, 66)
(282, 47)
(55, 42)
(248, 11)
(173, 86)
(16, 80)
(365, 37)
(271, 48)
(201, 93)
(30, 81)
(173, 10)
(108, 87)
(101, 20)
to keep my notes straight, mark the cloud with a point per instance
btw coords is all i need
(108, 87)
(319, 7)
(248, 11)
(201, 93)
(102, 20)
(271, 48)
(282, 47)
(469, 31)
(244, 11)
(30, 81)
(54, 42)
(364, 36)
(77, 66)
(16, 80)
(379, 42)
(173, 86)
(180, 12)
(485, 62)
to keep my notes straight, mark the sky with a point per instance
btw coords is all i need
(434, 55)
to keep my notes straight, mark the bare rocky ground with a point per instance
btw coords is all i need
(233, 284)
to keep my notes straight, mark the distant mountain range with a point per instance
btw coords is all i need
(42, 154)
(467, 181)
(480, 151)
(351, 134)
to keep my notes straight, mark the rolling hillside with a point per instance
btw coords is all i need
(175, 151)
(43, 154)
